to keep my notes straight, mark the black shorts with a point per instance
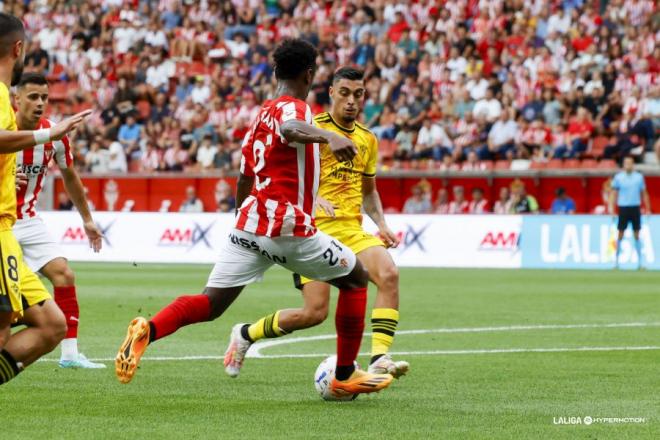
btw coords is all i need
(630, 214)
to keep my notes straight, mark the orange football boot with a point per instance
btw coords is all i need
(360, 382)
(132, 349)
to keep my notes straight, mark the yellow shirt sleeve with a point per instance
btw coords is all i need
(7, 118)
(372, 159)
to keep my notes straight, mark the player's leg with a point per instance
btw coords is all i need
(316, 296)
(45, 328)
(621, 228)
(63, 280)
(385, 314)
(8, 367)
(636, 221)
(45, 322)
(236, 267)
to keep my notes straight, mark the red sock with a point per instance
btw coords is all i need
(182, 311)
(349, 321)
(65, 298)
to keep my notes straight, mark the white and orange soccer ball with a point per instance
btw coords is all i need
(323, 378)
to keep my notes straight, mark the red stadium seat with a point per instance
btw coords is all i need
(572, 163)
(589, 163)
(598, 146)
(607, 164)
(538, 165)
(386, 148)
(487, 164)
(502, 165)
(58, 91)
(555, 163)
(55, 74)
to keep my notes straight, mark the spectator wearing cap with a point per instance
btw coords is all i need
(562, 204)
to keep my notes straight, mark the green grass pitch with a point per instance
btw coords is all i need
(459, 385)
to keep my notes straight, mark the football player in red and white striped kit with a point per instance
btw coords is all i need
(40, 250)
(275, 225)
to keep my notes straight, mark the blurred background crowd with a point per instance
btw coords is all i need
(452, 85)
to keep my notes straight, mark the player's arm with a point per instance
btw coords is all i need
(647, 200)
(374, 209)
(243, 189)
(76, 191)
(614, 193)
(300, 132)
(14, 141)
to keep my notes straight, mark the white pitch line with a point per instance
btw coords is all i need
(255, 349)
(397, 353)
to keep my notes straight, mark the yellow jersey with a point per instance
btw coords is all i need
(7, 164)
(341, 182)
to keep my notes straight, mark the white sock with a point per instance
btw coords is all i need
(69, 349)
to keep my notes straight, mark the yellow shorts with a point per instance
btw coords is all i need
(350, 234)
(19, 286)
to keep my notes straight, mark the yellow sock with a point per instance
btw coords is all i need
(383, 325)
(266, 327)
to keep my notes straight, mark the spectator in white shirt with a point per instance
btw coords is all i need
(206, 152)
(201, 93)
(477, 86)
(502, 136)
(123, 38)
(432, 142)
(478, 205)
(117, 162)
(559, 22)
(488, 107)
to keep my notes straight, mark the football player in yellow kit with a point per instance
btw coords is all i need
(23, 298)
(345, 188)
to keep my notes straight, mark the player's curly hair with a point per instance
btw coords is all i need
(292, 57)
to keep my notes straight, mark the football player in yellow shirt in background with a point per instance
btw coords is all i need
(23, 298)
(345, 188)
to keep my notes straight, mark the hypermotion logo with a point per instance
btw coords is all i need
(186, 237)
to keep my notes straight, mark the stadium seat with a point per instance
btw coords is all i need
(589, 163)
(58, 91)
(487, 164)
(607, 163)
(598, 146)
(571, 163)
(502, 165)
(55, 73)
(555, 163)
(386, 148)
(538, 165)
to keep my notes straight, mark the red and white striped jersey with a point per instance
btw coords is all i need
(478, 207)
(34, 163)
(286, 175)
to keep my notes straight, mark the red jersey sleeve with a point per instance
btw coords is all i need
(247, 156)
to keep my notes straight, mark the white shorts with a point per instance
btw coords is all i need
(39, 247)
(245, 257)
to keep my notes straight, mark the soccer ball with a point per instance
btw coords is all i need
(323, 378)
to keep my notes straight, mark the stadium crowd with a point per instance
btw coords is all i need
(452, 84)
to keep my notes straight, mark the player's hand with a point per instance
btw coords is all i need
(325, 206)
(21, 180)
(94, 235)
(390, 239)
(342, 148)
(58, 131)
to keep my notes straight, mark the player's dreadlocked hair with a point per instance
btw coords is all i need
(350, 73)
(292, 57)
